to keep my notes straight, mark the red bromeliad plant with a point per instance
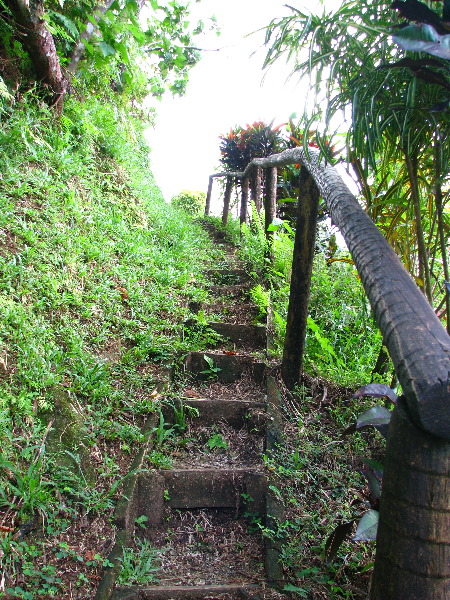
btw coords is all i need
(241, 144)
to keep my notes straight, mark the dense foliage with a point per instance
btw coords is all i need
(191, 202)
(397, 142)
(96, 271)
(127, 40)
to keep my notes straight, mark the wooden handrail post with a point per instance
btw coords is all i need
(226, 200)
(413, 551)
(208, 196)
(270, 201)
(255, 188)
(302, 262)
(244, 200)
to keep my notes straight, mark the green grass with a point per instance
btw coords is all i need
(96, 272)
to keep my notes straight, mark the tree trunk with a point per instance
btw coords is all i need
(424, 269)
(244, 200)
(413, 546)
(382, 365)
(444, 246)
(302, 262)
(40, 46)
(256, 188)
(226, 200)
(270, 200)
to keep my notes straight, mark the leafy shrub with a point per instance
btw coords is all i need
(192, 203)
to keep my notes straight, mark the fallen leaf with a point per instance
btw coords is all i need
(189, 393)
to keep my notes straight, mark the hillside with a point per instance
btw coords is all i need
(96, 274)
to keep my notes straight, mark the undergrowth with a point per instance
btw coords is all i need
(96, 271)
(317, 473)
(343, 340)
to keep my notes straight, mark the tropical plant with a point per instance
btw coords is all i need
(242, 144)
(398, 143)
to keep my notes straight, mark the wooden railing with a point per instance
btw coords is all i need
(416, 482)
(417, 342)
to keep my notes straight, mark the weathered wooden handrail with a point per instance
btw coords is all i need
(418, 344)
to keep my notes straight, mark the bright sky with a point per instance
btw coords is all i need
(225, 89)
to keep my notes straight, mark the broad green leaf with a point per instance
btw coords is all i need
(367, 527)
(423, 38)
(106, 49)
(377, 415)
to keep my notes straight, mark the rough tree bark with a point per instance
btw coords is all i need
(89, 31)
(302, 262)
(255, 188)
(208, 196)
(270, 200)
(413, 549)
(424, 268)
(39, 43)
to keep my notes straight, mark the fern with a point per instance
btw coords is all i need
(62, 27)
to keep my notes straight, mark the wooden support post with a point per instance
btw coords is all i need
(413, 547)
(226, 200)
(302, 261)
(270, 200)
(208, 197)
(255, 188)
(244, 200)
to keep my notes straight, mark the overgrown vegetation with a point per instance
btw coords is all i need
(343, 340)
(96, 272)
(318, 473)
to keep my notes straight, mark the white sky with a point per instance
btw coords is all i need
(225, 89)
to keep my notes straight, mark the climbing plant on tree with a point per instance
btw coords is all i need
(49, 41)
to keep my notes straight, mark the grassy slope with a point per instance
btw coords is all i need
(95, 274)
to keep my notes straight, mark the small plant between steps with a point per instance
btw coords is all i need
(211, 371)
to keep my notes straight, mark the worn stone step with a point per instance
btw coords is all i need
(228, 276)
(188, 592)
(237, 413)
(253, 335)
(239, 290)
(201, 488)
(227, 368)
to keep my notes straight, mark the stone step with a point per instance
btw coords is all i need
(253, 335)
(239, 290)
(228, 276)
(185, 592)
(237, 488)
(227, 368)
(237, 413)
